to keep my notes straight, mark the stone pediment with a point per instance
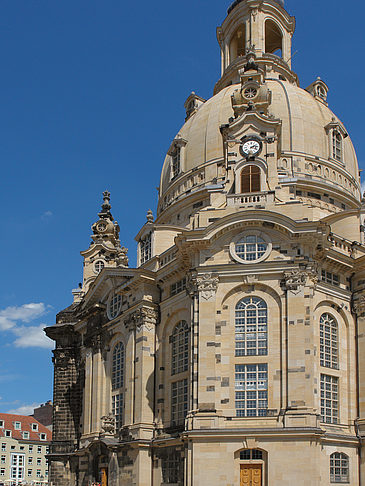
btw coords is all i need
(108, 279)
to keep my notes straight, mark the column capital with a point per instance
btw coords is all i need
(143, 319)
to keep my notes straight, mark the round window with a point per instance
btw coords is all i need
(250, 92)
(250, 247)
(114, 305)
(98, 266)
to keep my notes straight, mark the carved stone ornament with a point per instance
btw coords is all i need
(295, 280)
(143, 319)
(359, 304)
(207, 285)
(108, 424)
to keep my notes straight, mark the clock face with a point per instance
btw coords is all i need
(101, 227)
(251, 147)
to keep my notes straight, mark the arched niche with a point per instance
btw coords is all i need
(237, 45)
(273, 38)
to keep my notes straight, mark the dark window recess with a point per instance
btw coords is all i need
(250, 179)
(314, 195)
(343, 206)
(299, 193)
(178, 287)
(249, 454)
(198, 205)
(331, 200)
(330, 278)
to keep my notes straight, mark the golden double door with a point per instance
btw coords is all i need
(251, 475)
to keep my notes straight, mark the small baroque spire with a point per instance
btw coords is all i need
(106, 207)
(150, 218)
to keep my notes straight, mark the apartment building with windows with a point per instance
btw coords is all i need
(24, 444)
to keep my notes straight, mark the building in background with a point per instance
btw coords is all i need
(234, 354)
(44, 413)
(24, 444)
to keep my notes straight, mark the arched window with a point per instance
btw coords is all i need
(336, 145)
(250, 179)
(180, 348)
(251, 327)
(328, 335)
(273, 38)
(339, 468)
(237, 45)
(118, 384)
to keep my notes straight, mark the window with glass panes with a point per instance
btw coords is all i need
(251, 179)
(251, 248)
(339, 468)
(17, 466)
(175, 162)
(145, 249)
(179, 401)
(336, 145)
(118, 384)
(329, 399)
(328, 331)
(251, 390)
(331, 278)
(114, 306)
(180, 348)
(172, 468)
(251, 327)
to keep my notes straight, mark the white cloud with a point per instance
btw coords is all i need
(32, 337)
(24, 409)
(24, 313)
(46, 215)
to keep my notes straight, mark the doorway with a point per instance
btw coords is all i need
(251, 475)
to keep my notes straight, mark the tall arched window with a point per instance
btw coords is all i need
(237, 45)
(180, 348)
(328, 335)
(251, 327)
(118, 384)
(250, 179)
(273, 38)
(336, 145)
(179, 364)
(339, 468)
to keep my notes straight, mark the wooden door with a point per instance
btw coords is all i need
(251, 475)
(104, 477)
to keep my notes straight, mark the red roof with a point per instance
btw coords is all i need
(26, 426)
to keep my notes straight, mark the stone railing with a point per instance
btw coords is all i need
(245, 200)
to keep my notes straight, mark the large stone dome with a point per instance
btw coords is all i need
(306, 138)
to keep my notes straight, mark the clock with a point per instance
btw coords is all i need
(250, 146)
(101, 227)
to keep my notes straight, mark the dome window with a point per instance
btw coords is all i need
(176, 154)
(336, 145)
(336, 135)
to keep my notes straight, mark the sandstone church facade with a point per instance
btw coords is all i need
(234, 354)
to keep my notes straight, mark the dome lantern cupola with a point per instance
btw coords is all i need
(262, 26)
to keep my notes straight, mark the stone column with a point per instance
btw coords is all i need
(142, 323)
(67, 401)
(206, 345)
(299, 362)
(359, 308)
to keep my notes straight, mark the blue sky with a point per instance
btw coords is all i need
(92, 95)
